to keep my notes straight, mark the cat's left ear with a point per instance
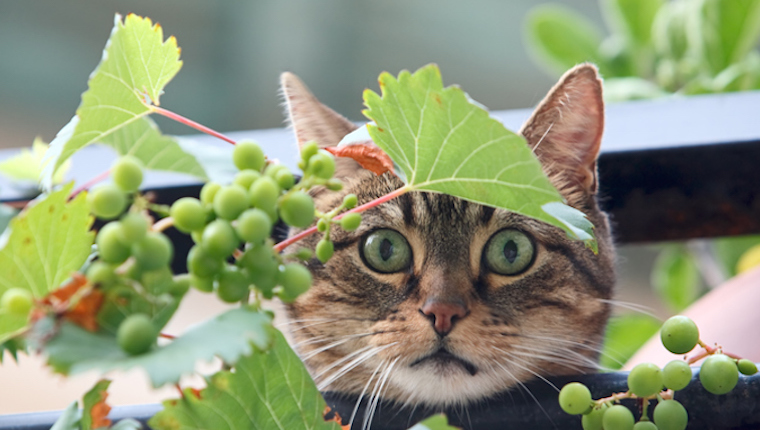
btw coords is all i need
(565, 132)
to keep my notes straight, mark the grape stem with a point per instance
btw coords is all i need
(163, 224)
(90, 183)
(167, 336)
(665, 394)
(708, 350)
(190, 123)
(378, 201)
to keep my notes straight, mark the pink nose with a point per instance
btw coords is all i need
(443, 315)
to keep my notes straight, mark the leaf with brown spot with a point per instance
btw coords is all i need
(368, 155)
(95, 413)
(330, 416)
(75, 301)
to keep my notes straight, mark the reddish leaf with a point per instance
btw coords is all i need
(368, 155)
(99, 413)
(331, 416)
(82, 310)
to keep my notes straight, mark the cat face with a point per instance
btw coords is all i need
(435, 300)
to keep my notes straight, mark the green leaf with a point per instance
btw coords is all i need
(90, 399)
(267, 390)
(444, 143)
(624, 336)
(436, 422)
(729, 250)
(13, 346)
(561, 38)
(228, 336)
(46, 243)
(669, 29)
(631, 88)
(675, 276)
(725, 31)
(136, 66)
(28, 164)
(69, 419)
(632, 18)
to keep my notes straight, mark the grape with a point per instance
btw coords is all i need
(334, 184)
(304, 254)
(101, 273)
(618, 417)
(253, 226)
(134, 226)
(17, 301)
(232, 285)
(219, 239)
(719, 374)
(127, 173)
(110, 248)
(297, 209)
(645, 380)
(208, 192)
(246, 178)
(308, 150)
(205, 285)
(272, 170)
(248, 155)
(350, 221)
(200, 263)
(295, 280)
(322, 225)
(285, 179)
(180, 285)
(321, 165)
(593, 419)
(230, 202)
(670, 415)
(676, 375)
(154, 251)
(188, 214)
(747, 367)
(574, 398)
(350, 201)
(679, 334)
(264, 193)
(107, 201)
(136, 334)
(644, 425)
(324, 250)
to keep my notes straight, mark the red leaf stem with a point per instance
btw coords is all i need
(190, 123)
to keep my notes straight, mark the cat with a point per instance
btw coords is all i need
(439, 301)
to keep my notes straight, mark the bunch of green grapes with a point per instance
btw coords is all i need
(719, 374)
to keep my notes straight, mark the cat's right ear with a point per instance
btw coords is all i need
(313, 121)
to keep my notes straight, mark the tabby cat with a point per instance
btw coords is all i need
(438, 301)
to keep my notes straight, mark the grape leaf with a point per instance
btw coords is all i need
(281, 397)
(228, 336)
(624, 335)
(69, 419)
(45, 244)
(443, 142)
(137, 64)
(436, 422)
(676, 278)
(95, 409)
(28, 164)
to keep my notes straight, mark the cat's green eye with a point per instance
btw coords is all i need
(386, 251)
(509, 252)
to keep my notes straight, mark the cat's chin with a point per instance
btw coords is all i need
(435, 382)
(444, 362)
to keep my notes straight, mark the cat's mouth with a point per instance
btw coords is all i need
(443, 357)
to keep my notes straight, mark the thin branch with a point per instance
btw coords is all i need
(190, 123)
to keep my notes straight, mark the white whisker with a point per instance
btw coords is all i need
(376, 399)
(364, 390)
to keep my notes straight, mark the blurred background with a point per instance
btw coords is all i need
(234, 51)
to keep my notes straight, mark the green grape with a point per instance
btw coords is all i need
(188, 214)
(719, 374)
(248, 155)
(272, 170)
(232, 285)
(593, 419)
(101, 273)
(204, 285)
(746, 367)
(676, 375)
(246, 178)
(323, 225)
(679, 334)
(110, 248)
(201, 263)
(134, 226)
(127, 173)
(324, 250)
(644, 425)
(253, 226)
(321, 165)
(230, 202)
(197, 236)
(574, 398)
(136, 334)
(670, 415)
(334, 184)
(264, 193)
(285, 179)
(17, 301)
(297, 209)
(107, 201)
(208, 192)
(618, 417)
(154, 251)
(645, 380)
(303, 254)
(180, 285)
(295, 280)
(308, 150)
(350, 201)
(350, 221)
(261, 265)
(219, 239)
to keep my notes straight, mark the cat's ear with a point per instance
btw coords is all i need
(313, 121)
(565, 132)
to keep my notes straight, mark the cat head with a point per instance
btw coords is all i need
(436, 300)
